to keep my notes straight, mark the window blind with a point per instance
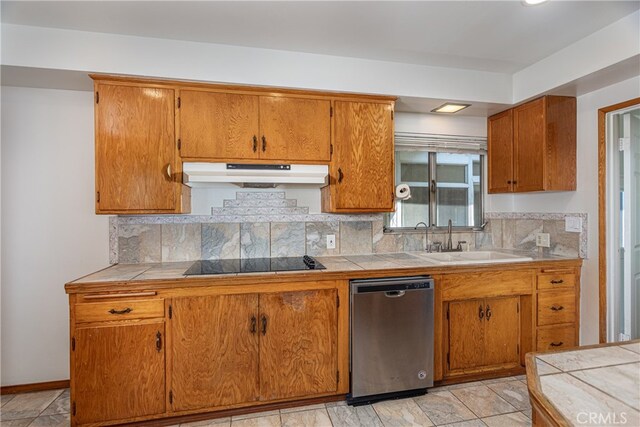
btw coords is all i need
(411, 141)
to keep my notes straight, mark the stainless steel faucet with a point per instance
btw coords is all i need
(449, 245)
(426, 235)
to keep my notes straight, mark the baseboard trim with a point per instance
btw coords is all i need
(26, 388)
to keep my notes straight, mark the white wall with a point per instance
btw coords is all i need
(50, 233)
(584, 199)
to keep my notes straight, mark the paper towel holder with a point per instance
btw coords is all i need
(403, 192)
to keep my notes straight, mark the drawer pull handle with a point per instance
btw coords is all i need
(480, 312)
(255, 143)
(264, 325)
(158, 341)
(557, 282)
(124, 311)
(264, 144)
(556, 344)
(557, 307)
(254, 325)
(340, 175)
(488, 312)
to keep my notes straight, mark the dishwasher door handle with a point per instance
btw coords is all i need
(394, 294)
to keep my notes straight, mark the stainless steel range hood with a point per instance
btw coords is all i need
(201, 174)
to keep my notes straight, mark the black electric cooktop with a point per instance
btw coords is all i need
(253, 265)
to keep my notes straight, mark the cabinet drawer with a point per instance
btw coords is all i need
(556, 280)
(119, 310)
(556, 338)
(556, 307)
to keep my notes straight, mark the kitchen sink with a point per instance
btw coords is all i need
(476, 257)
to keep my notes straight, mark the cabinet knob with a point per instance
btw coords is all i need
(480, 312)
(488, 312)
(254, 325)
(264, 143)
(158, 341)
(168, 171)
(509, 182)
(255, 143)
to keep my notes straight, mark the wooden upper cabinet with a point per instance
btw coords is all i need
(119, 372)
(528, 146)
(218, 126)
(136, 163)
(500, 152)
(542, 143)
(223, 126)
(215, 351)
(298, 344)
(295, 129)
(362, 168)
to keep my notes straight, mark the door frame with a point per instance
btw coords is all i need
(602, 212)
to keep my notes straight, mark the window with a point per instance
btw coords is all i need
(445, 177)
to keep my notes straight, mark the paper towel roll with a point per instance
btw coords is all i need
(403, 192)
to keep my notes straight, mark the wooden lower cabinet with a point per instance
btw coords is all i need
(484, 334)
(230, 349)
(214, 351)
(298, 344)
(118, 372)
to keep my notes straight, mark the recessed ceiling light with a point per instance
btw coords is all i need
(533, 2)
(450, 108)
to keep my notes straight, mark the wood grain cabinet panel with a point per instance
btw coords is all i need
(466, 334)
(136, 162)
(532, 147)
(556, 308)
(298, 343)
(214, 351)
(119, 310)
(295, 129)
(218, 125)
(119, 372)
(500, 152)
(484, 335)
(556, 338)
(502, 331)
(362, 168)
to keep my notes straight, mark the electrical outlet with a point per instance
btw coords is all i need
(543, 239)
(331, 241)
(573, 224)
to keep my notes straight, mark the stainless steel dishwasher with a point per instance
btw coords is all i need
(391, 338)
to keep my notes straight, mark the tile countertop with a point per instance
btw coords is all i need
(597, 385)
(346, 263)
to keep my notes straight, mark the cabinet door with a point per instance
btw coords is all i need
(119, 372)
(295, 129)
(298, 343)
(529, 150)
(500, 152)
(502, 331)
(135, 149)
(215, 351)
(363, 163)
(218, 126)
(466, 338)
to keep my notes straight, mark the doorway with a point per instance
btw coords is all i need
(621, 246)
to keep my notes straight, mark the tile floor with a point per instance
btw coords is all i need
(492, 403)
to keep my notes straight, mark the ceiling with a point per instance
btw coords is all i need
(499, 36)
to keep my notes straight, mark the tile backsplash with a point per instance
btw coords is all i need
(266, 224)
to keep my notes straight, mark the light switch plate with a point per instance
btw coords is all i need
(573, 224)
(543, 239)
(331, 241)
